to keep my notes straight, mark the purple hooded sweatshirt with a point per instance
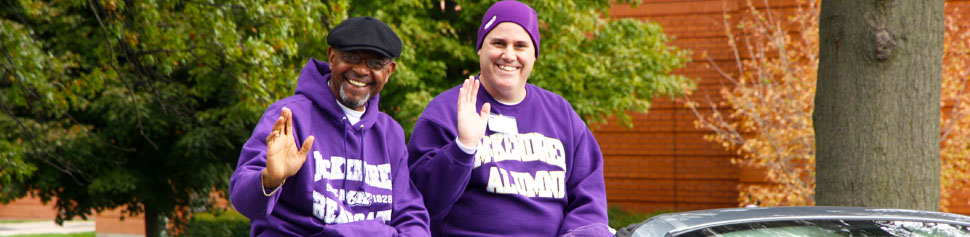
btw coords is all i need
(349, 179)
(546, 180)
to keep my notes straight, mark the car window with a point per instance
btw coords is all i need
(917, 228)
(832, 228)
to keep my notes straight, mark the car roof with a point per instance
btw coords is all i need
(674, 223)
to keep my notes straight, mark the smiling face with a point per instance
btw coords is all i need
(506, 60)
(357, 76)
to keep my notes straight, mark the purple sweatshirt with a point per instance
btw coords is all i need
(348, 182)
(546, 180)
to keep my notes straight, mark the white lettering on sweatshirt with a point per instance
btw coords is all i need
(525, 147)
(528, 147)
(339, 168)
(336, 210)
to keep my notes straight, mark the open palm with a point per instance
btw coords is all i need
(471, 125)
(282, 158)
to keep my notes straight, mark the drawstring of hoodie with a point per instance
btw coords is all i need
(360, 139)
(344, 121)
(362, 144)
(348, 127)
(362, 163)
(346, 155)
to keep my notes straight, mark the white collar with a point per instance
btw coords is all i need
(352, 115)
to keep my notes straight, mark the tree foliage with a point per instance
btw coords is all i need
(604, 67)
(955, 112)
(768, 123)
(770, 104)
(145, 104)
(141, 105)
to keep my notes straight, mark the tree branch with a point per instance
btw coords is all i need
(141, 128)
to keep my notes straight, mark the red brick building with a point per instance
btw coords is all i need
(664, 162)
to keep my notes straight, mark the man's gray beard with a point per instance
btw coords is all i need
(353, 104)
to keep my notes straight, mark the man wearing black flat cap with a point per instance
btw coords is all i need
(356, 183)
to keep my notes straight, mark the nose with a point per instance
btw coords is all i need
(361, 69)
(508, 55)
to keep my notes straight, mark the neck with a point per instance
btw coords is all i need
(507, 97)
(348, 109)
(358, 109)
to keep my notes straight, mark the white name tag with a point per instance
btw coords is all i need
(502, 124)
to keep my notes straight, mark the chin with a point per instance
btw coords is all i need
(352, 103)
(510, 80)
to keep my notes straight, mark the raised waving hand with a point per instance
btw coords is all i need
(471, 124)
(282, 158)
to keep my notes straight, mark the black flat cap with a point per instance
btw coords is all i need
(365, 33)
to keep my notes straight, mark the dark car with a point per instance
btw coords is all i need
(802, 221)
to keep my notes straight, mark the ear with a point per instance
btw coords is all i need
(390, 70)
(331, 56)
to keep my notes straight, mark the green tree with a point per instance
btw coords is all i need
(145, 105)
(141, 105)
(604, 67)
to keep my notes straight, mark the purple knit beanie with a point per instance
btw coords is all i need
(510, 11)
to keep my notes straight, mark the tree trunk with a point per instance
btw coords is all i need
(153, 226)
(877, 104)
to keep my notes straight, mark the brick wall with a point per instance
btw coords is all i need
(110, 222)
(663, 162)
(28, 208)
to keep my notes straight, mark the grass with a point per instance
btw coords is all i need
(14, 221)
(82, 234)
(621, 217)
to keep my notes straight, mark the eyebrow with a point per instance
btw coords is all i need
(372, 56)
(495, 39)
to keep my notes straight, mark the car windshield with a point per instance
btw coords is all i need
(833, 228)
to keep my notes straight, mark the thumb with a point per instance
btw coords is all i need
(307, 145)
(486, 110)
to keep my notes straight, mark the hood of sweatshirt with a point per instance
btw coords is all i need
(313, 83)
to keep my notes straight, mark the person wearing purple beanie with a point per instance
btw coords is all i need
(357, 181)
(497, 156)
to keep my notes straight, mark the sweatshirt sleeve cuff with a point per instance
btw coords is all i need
(270, 194)
(459, 155)
(273, 196)
(467, 150)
